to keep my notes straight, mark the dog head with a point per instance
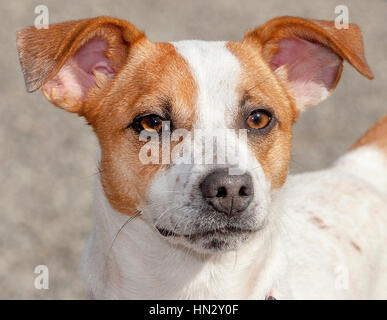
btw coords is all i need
(156, 107)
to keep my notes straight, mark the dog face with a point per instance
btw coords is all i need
(175, 99)
(202, 204)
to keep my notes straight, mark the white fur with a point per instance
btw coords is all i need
(216, 71)
(326, 215)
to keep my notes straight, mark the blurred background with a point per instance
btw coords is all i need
(48, 156)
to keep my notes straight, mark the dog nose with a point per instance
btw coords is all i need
(229, 194)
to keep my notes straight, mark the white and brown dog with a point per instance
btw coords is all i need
(194, 230)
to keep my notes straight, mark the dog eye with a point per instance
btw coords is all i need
(150, 123)
(259, 119)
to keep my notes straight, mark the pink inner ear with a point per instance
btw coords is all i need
(312, 68)
(92, 57)
(76, 76)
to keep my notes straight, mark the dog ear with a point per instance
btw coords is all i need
(308, 55)
(71, 60)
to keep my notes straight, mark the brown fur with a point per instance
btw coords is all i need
(147, 74)
(155, 71)
(42, 52)
(376, 136)
(261, 88)
(355, 246)
(319, 222)
(346, 43)
(270, 89)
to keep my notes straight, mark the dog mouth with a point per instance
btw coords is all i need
(227, 231)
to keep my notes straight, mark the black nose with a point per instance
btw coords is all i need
(227, 193)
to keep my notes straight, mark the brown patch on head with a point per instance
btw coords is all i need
(290, 63)
(376, 136)
(260, 89)
(156, 78)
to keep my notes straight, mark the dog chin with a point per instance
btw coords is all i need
(219, 240)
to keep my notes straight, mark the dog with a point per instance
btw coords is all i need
(180, 230)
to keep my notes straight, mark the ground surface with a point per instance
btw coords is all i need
(47, 157)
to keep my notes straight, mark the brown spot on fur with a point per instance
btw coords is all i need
(376, 136)
(319, 222)
(356, 246)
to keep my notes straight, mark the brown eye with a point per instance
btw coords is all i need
(259, 119)
(150, 123)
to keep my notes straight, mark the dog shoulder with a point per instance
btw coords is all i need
(376, 136)
(368, 156)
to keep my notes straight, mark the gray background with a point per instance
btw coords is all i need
(47, 156)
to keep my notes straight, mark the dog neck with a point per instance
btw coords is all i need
(140, 264)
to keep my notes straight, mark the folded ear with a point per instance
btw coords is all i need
(308, 55)
(69, 60)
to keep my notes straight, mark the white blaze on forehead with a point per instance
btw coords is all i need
(216, 72)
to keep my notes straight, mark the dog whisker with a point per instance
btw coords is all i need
(127, 221)
(138, 213)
